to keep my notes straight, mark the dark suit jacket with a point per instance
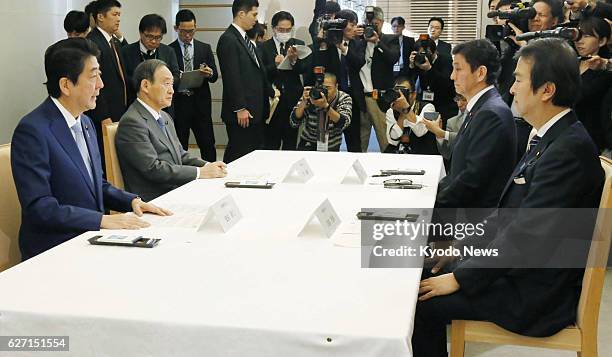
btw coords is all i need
(444, 48)
(244, 82)
(330, 59)
(386, 54)
(483, 156)
(58, 200)
(288, 83)
(438, 80)
(132, 57)
(563, 171)
(110, 102)
(408, 46)
(202, 54)
(152, 163)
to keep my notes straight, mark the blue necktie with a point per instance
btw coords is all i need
(77, 129)
(162, 125)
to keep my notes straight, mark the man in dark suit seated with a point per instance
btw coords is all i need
(193, 107)
(435, 29)
(55, 159)
(560, 170)
(152, 29)
(150, 154)
(484, 152)
(278, 132)
(245, 87)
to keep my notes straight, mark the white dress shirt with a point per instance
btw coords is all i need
(552, 122)
(419, 129)
(366, 71)
(70, 120)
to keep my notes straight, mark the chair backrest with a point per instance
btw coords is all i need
(113, 170)
(594, 274)
(10, 212)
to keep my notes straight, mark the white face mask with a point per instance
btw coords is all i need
(282, 37)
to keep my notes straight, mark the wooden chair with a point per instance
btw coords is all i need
(113, 170)
(581, 337)
(10, 212)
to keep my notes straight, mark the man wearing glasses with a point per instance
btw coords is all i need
(192, 107)
(152, 29)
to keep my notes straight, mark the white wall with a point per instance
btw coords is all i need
(30, 27)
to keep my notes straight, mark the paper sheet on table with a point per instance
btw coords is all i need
(185, 216)
(302, 51)
(348, 235)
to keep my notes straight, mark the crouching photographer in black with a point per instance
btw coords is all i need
(325, 112)
(433, 83)
(406, 130)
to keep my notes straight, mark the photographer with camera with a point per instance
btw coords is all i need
(337, 50)
(593, 51)
(381, 53)
(446, 138)
(433, 73)
(325, 111)
(324, 10)
(406, 131)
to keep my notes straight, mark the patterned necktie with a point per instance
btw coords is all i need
(532, 144)
(77, 130)
(251, 48)
(187, 58)
(114, 42)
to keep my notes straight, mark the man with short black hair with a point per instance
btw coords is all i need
(150, 154)
(245, 87)
(55, 159)
(152, 29)
(113, 99)
(435, 27)
(281, 48)
(193, 107)
(484, 151)
(560, 170)
(401, 69)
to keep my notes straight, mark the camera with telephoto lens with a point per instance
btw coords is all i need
(390, 95)
(333, 30)
(369, 29)
(519, 14)
(318, 90)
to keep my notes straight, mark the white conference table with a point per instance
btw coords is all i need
(259, 290)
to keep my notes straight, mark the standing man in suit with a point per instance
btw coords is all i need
(344, 60)
(152, 159)
(434, 29)
(401, 69)
(113, 99)
(484, 152)
(55, 159)
(152, 29)
(560, 170)
(245, 88)
(273, 52)
(381, 53)
(193, 107)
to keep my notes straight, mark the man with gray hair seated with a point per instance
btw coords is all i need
(152, 159)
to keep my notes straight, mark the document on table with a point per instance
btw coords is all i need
(185, 216)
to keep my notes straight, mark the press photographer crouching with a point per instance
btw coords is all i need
(433, 83)
(596, 80)
(325, 112)
(406, 130)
